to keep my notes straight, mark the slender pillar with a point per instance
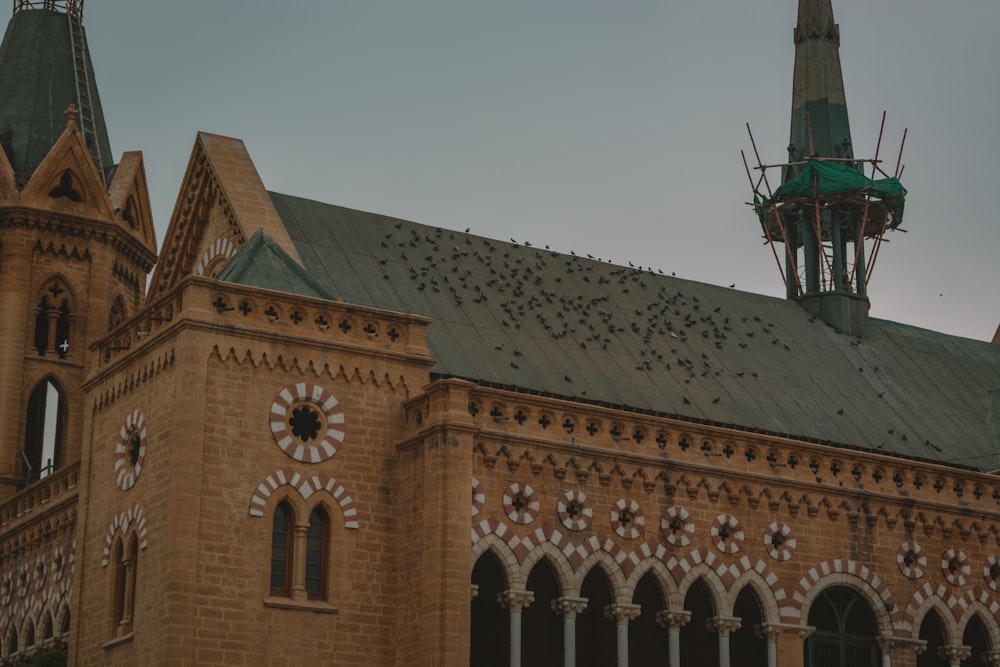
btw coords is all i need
(769, 632)
(673, 621)
(723, 626)
(299, 573)
(515, 601)
(569, 608)
(621, 614)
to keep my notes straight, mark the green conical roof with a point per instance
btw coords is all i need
(37, 84)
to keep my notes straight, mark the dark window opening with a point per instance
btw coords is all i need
(67, 188)
(316, 539)
(281, 549)
(43, 436)
(846, 631)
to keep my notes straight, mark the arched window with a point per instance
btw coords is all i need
(596, 641)
(976, 637)
(647, 640)
(697, 641)
(43, 432)
(846, 631)
(52, 322)
(117, 314)
(490, 622)
(932, 631)
(29, 635)
(316, 549)
(46, 626)
(125, 560)
(541, 629)
(12, 646)
(744, 641)
(282, 534)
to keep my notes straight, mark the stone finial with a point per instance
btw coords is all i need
(72, 114)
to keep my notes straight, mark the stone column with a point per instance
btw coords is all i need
(298, 573)
(621, 614)
(569, 608)
(769, 632)
(723, 626)
(886, 644)
(954, 654)
(515, 601)
(992, 658)
(673, 621)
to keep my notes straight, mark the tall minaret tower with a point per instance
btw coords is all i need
(826, 207)
(76, 238)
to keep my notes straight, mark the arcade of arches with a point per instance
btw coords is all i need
(588, 618)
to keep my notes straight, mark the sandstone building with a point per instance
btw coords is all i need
(322, 436)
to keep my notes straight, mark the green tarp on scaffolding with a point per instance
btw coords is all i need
(827, 179)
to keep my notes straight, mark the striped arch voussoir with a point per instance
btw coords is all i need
(917, 607)
(850, 572)
(123, 522)
(306, 487)
(222, 247)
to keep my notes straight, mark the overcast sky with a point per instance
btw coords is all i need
(609, 128)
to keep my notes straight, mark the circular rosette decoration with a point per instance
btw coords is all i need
(778, 541)
(676, 526)
(911, 559)
(627, 519)
(991, 573)
(478, 497)
(520, 503)
(307, 422)
(130, 450)
(955, 566)
(727, 534)
(574, 510)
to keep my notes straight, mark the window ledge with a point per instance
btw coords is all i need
(118, 641)
(301, 605)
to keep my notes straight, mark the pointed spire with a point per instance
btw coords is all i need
(820, 125)
(45, 67)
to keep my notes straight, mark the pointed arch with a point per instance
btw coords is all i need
(305, 487)
(556, 559)
(853, 575)
(282, 542)
(46, 415)
(118, 312)
(490, 625)
(934, 630)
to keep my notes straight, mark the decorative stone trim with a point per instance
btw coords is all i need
(478, 497)
(123, 522)
(778, 541)
(21, 579)
(955, 566)
(131, 443)
(991, 573)
(911, 560)
(627, 519)
(220, 248)
(574, 510)
(305, 488)
(676, 526)
(302, 412)
(520, 503)
(727, 534)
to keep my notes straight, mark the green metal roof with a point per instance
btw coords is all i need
(262, 263)
(514, 315)
(37, 85)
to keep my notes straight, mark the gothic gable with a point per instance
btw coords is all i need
(67, 181)
(222, 202)
(130, 197)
